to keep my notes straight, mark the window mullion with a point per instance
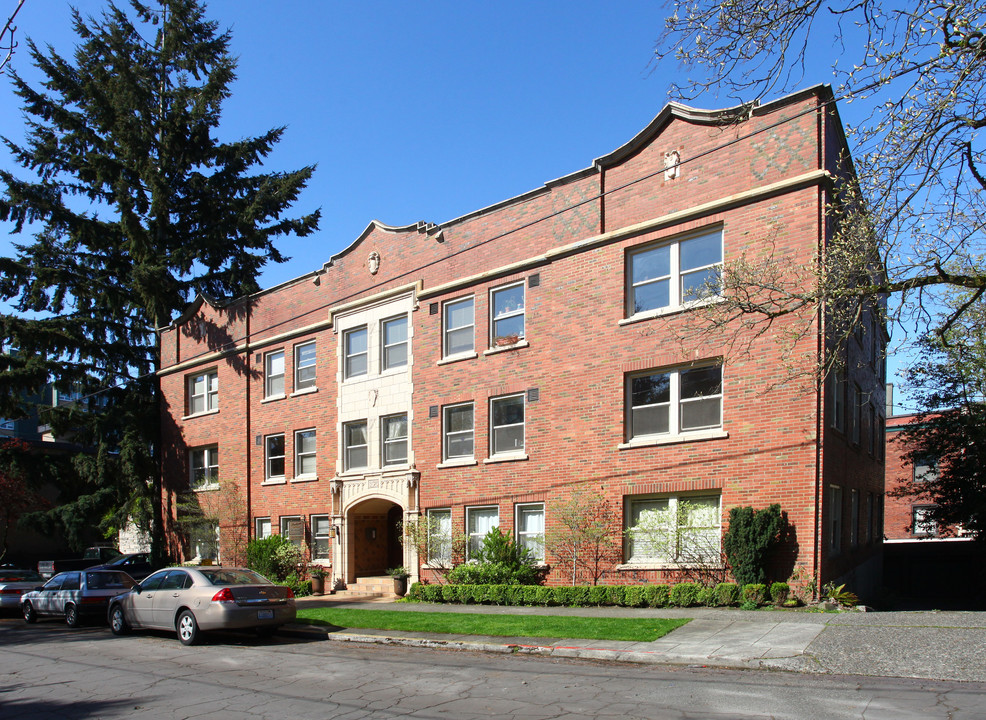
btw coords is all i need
(674, 414)
(674, 282)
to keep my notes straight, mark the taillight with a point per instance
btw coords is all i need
(224, 595)
(92, 600)
(12, 591)
(290, 593)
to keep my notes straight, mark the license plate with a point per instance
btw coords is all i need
(265, 614)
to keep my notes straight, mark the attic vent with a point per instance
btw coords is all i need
(533, 394)
(433, 309)
(534, 280)
(433, 411)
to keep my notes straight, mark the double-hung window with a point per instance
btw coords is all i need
(203, 392)
(835, 519)
(479, 521)
(530, 529)
(675, 529)
(274, 374)
(274, 452)
(837, 384)
(923, 521)
(204, 465)
(507, 425)
(321, 533)
(293, 528)
(458, 431)
(925, 469)
(355, 448)
(305, 457)
(673, 402)
(394, 342)
(395, 439)
(355, 344)
(673, 274)
(440, 537)
(459, 335)
(507, 314)
(305, 359)
(261, 527)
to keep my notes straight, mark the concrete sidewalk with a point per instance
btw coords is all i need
(934, 645)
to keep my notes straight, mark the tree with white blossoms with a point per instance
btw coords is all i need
(911, 228)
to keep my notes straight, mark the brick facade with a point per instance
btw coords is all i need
(551, 407)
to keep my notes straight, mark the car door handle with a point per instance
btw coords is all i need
(177, 594)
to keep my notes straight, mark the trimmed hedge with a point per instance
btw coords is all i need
(652, 596)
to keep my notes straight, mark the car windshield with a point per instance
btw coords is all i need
(228, 576)
(108, 581)
(20, 576)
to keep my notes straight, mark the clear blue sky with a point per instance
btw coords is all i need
(419, 111)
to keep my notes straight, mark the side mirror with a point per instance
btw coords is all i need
(137, 588)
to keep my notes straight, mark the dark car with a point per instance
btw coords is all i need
(75, 595)
(136, 565)
(190, 600)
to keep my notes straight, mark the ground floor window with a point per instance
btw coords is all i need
(440, 537)
(321, 532)
(293, 528)
(922, 523)
(203, 540)
(682, 529)
(261, 527)
(530, 529)
(479, 521)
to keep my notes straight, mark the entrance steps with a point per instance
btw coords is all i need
(379, 587)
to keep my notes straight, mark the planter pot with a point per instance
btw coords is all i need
(318, 585)
(505, 340)
(400, 585)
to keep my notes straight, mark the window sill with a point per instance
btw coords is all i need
(396, 370)
(274, 481)
(305, 391)
(661, 312)
(458, 358)
(304, 478)
(667, 565)
(652, 440)
(506, 348)
(504, 457)
(465, 462)
(273, 398)
(206, 488)
(201, 414)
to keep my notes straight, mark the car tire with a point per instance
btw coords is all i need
(187, 628)
(30, 616)
(71, 615)
(118, 622)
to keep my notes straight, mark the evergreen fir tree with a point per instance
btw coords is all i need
(135, 207)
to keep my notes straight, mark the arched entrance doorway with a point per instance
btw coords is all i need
(374, 538)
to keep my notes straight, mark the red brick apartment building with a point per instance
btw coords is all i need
(480, 371)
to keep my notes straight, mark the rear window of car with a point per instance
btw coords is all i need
(20, 576)
(227, 576)
(108, 581)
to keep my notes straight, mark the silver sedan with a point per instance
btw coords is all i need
(192, 600)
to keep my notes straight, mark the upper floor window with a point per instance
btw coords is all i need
(204, 467)
(507, 314)
(457, 424)
(856, 408)
(837, 385)
(274, 374)
(394, 342)
(923, 520)
(355, 348)
(925, 468)
(274, 456)
(507, 425)
(203, 392)
(305, 359)
(672, 402)
(673, 274)
(459, 331)
(395, 439)
(355, 449)
(305, 457)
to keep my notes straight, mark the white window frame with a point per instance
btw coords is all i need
(439, 537)
(305, 375)
(533, 540)
(447, 330)
(262, 528)
(674, 278)
(269, 457)
(925, 469)
(347, 448)
(475, 536)
(301, 455)
(921, 524)
(348, 355)
(321, 536)
(388, 443)
(635, 551)
(507, 315)
(274, 377)
(205, 542)
(208, 392)
(835, 520)
(387, 347)
(208, 469)
(675, 403)
(447, 434)
(502, 428)
(286, 522)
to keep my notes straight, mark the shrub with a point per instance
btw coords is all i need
(633, 596)
(493, 573)
(684, 594)
(779, 592)
(656, 595)
(616, 595)
(531, 594)
(726, 594)
(706, 596)
(754, 593)
(543, 596)
(598, 595)
(749, 538)
(300, 587)
(275, 557)
(449, 594)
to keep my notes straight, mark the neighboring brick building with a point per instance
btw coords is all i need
(481, 370)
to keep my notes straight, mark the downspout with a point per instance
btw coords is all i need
(249, 447)
(602, 199)
(820, 351)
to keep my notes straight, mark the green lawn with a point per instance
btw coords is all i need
(553, 626)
